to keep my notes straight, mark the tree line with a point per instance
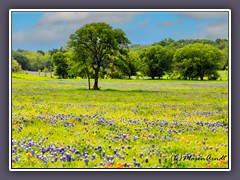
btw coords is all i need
(98, 51)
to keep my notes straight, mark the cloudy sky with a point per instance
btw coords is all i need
(48, 30)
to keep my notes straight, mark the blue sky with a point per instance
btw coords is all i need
(48, 30)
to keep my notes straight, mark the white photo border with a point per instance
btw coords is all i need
(120, 10)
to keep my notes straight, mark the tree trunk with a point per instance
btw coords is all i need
(95, 87)
(88, 76)
(201, 77)
(89, 85)
(152, 77)
(129, 77)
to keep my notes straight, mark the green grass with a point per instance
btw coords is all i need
(38, 101)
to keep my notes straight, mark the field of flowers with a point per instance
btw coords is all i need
(127, 124)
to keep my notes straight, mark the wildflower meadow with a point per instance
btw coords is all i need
(59, 123)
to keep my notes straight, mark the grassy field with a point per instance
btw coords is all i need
(127, 124)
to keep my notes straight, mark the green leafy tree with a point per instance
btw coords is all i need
(22, 60)
(45, 70)
(16, 67)
(51, 52)
(117, 68)
(199, 60)
(131, 61)
(166, 42)
(222, 44)
(100, 41)
(60, 65)
(156, 61)
(41, 52)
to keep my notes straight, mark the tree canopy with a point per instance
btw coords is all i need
(60, 64)
(16, 67)
(156, 61)
(100, 42)
(199, 60)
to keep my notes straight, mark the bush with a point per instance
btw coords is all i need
(213, 76)
(45, 70)
(16, 67)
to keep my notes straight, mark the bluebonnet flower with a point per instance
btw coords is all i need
(32, 152)
(72, 150)
(93, 156)
(103, 154)
(14, 149)
(134, 159)
(27, 149)
(100, 148)
(17, 158)
(43, 150)
(118, 155)
(68, 156)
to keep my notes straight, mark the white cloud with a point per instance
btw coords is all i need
(86, 17)
(216, 30)
(203, 15)
(42, 34)
(57, 26)
(212, 30)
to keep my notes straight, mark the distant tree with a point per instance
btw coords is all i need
(131, 61)
(49, 64)
(62, 49)
(60, 64)
(41, 52)
(166, 42)
(53, 51)
(117, 67)
(199, 60)
(22, 60)
(20, 50)
(99, 41)
(16, 67)
(221, 43)
(45, 70)
(156, 61)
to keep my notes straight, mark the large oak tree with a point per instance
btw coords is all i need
(100, 41)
